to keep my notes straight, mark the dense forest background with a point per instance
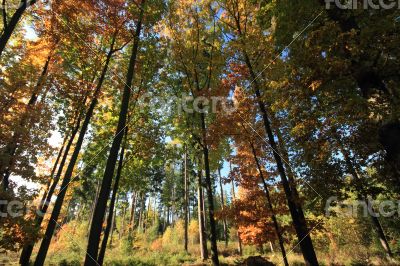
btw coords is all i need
(182, 132)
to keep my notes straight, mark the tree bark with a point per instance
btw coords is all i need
(92, 208)
(133, 210)
(68, 174)
(240, 250)
(186, 199)
(210, 197)
(11, 25)
(295, 209)
(112, 204)
(270, 207)
(223, 207)
(95, 230)
(46, 200)
(200, 210)
(122, 229)
(142, 207)
(362, 194)
(113, 226)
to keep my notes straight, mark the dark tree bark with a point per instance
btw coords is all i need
(45, 202)
(295, 209)
(114, 225)
(269, 206)
(53, 170)
(122, 229)
(185, 178)
(223, 207)
(95, 230)
(92, 208)
(142, 207)
(210, 197)
(363, 195)
(133, 211)
(9, 27)
(200, 210)
(240, 250)
(110, 218)
(68, 174)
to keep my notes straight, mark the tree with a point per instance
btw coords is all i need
(9, 26)
(95, 230)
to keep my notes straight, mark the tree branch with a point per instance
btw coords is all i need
(4, 13)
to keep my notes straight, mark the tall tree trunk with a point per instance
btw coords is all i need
(113, 226)
(295, 209)
(112, 204)
(210, 197)
(362, 194)
(204, 208)
(122, 229)
(200, 210)
(11, 25)
(53, 170)
(92, 208)
(95, 230)
(269, 206)
(223, 207)
(133, 210)
(46, 200)
(141, 210)
(146, 215)
(7, 164)
(240, 250)
(168, 214)
(68, 174)
(186, 199)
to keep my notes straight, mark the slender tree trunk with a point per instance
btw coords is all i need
(11, 25)
(146, 215)
(53, 170)
(46, 200)
(295, 209)
(362, 194)
(204, 208)
(95, 230)
(122, 229)
(270, 207)
(7, 164)
(113, 225)
(210, 197)
(142, 207)
(133, 210)
(223, 207)
(200, 210)
(240, 250)
(92, 208)
(168, 214)
(186, 199)
(112, 204)
(68, 174)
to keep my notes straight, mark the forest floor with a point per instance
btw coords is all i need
(150, 249)
(116, 256)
